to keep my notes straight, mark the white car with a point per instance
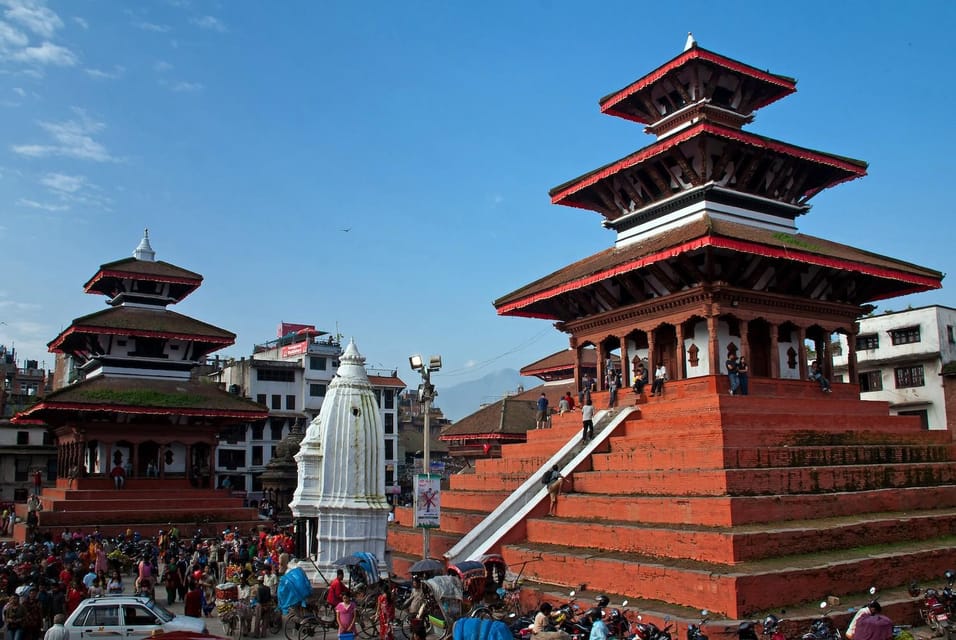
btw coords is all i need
(133, 617)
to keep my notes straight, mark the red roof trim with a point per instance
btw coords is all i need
(484, 436)
(79, 406)
(684, 58)
(560, 367)
(706, 127)
(55, 345)
(921, 282)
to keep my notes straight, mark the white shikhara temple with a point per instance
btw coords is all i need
(340, 497)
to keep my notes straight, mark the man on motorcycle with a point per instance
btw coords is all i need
(875, 626)
(599, 630)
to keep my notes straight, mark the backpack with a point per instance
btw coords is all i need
(546, 477)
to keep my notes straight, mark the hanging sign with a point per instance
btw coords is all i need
(427, 500)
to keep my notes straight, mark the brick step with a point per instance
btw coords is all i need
(794, 480)
(147, 530)
(740, 590)
(473, 500)
(139, 504)
(408, 540)
(62, 493)
(733, 545)
(146, 515)
(458, 522)
(527, 465)
(689, 454)
(724, 511)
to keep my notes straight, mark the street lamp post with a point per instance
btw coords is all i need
(426, 393)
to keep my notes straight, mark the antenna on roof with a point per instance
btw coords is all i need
(691, 43)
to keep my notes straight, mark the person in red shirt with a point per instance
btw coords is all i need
(192, 604)
(567, 396)
(336, 589)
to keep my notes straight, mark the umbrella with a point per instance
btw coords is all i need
(428, 565)
(348, 561)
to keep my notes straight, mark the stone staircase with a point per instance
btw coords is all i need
(145, 506)
(739, 505)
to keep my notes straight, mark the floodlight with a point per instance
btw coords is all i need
(416, 362)
(434, 363)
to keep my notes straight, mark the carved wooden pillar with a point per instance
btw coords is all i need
(681, 372)
(573, 343)
(744, 340)
(827, 357)
(774, 351)
(601, 368)
(625, 364)
(651, 357)
(851, 373)
(713, 345)
(802, 353)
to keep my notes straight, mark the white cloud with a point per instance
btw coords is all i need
(34, 16)
(63, 183)
(152, 26)
(81, 22)
(72, 139)
(162, 66)
(18, 306)
(20, 91)
(46, 53)
(99, 74)
(186, 87)
(209, 22)
(45, 206)
(11, 37)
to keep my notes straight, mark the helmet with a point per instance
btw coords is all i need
(770, 623)
(913, 589)
(595, 613)
(602, 600)
(950, 576)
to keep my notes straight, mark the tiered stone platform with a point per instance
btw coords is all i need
(735, 504)
(146, 505)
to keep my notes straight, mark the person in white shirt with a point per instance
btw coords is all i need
(660, 377)
(587, 416)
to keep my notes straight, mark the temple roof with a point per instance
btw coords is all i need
(560, 361)
(136, 321)
(823, 170)
(103, 282)
(632, 102)
(386, 381)
(143, 397)
(508, 416)
(709, 231)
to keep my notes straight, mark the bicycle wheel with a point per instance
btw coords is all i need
(275, 622)
(366, 626)
(311, 628)
(291, 626)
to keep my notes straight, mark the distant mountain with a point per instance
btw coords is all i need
(464, 399)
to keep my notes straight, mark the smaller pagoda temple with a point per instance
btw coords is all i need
(129, 405)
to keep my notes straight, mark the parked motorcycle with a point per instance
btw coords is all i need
(695, 631)
(618, 625)
(771, 628)
(822, 628)
(650, 631)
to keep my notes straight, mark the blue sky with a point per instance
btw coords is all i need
(248, 135)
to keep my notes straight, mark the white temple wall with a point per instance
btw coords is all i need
(698, 336)
(786, 372)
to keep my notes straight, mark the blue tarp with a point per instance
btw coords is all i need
(480, 629)
(294, 589)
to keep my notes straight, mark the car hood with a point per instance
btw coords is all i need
(186, 623)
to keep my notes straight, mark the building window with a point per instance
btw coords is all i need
(867, 342)
(276, 402)
(316, 390)
(48, 439)
(257, 456)
(317, 363)
(231, 459)
(378, 397)
(21, 470)
(275, 375)
(923, 415)
(909, 376)
(276, 429)
(272, 452)
(389, 449)
(389, 423)
(257, 430)
(290, 403)
(23, 437)
(389, 399)
(261, 398)
(906, 335)
(950, 334)
(871, 381)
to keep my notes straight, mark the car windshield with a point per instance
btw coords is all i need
(164, 614)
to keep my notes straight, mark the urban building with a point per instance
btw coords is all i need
(900, 356)
(290, 375)
(25, 448)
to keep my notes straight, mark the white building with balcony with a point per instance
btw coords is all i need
(900, 356)
(290, 375)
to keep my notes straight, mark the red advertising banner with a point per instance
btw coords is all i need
(295, 349)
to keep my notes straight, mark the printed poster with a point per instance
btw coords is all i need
(427, 500)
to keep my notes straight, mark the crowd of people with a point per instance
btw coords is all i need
(46, 580)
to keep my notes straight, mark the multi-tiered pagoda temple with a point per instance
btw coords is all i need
(708, 259)
(130, 401)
